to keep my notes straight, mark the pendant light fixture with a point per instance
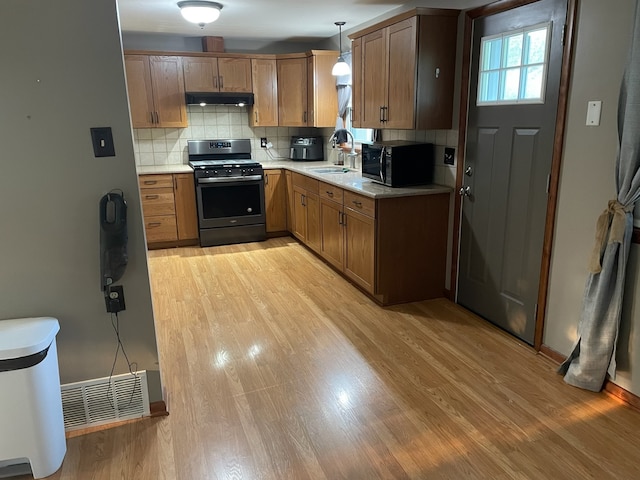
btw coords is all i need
(341, 67)
(200, 12)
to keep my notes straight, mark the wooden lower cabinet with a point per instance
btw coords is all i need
(169, 209)
(275, 199)
(394, 248)
(306, 211)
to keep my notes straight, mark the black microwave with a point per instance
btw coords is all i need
(398, 163)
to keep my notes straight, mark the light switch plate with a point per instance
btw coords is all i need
(594, 109)
(102, 140)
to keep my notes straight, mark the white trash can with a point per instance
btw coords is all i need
(31, 420)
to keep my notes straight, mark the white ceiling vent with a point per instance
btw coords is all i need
(99, 402)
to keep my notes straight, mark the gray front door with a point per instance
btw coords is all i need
(509, 147)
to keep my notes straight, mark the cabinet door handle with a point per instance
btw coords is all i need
(357, 203)
(344, 219)
(302, 197)
(381, 114)
(330, 194)
(266, 179)
(215, 82)
(151, 117)
(153, 224)
(385, 114)
(175, 183)
(304, 117)
(157, 118)
(256, 114)
(221, 82)
(152, 197)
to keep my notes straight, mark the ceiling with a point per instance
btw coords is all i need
(290, 20)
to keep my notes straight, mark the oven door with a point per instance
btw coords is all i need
(229, 202)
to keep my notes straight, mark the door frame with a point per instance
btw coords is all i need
(565, 78)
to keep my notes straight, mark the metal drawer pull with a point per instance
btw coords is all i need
(357, 203)
(329, 193)
(151, 197)
(154, 224)
(150, 182)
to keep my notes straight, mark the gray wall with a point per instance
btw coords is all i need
(587, 178)
(62, 73)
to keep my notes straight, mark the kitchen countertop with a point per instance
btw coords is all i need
(352, 180)
(155, 169)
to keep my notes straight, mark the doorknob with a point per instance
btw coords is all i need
(465, 192)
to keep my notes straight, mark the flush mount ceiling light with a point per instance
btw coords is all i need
(200, 12)
(341, 67)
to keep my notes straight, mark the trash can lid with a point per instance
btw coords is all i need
(26, 336)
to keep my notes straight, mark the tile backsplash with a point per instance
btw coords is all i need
(165, 146)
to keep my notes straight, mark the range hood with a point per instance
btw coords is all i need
(219, 98)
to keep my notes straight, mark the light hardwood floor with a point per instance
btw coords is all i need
(277, 368)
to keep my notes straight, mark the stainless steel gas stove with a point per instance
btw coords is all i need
(229, 191)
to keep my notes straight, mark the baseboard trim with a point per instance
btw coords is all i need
(448, 294)
(158, 409)
(552, 354)
(609, 387)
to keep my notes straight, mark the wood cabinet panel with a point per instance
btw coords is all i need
(290, 200)
(322, 103)
(360, 241)
(200, 74)
(155, 181)
(140, 91)
(158, 201)
(401, 80)
(312, 202)
(332, 232)
(264, 111)
(307, 183)
(374, 81)
(185, 206)
(299, 223)
(360, 203)
(275, 195)
(330, 192)
(234, 74)
(356, 82)
(292, 92)
(168, 91)
(161, 228)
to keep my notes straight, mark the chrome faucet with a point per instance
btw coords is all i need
(352, 156)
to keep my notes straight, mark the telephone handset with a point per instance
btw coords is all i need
(113, 238)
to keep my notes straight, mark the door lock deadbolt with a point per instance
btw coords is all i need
(465, 192)
(469, 171)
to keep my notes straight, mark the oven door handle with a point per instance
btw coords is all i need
(248, 178)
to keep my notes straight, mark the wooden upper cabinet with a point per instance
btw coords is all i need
(322, 100)
(401, 77)
(200, 74)
(374, 81)
(156, 91)
(404, 71)
(168, 91)
(356, 82)
(140, 91)
(264, 111)
(235, 75)
(307, 94)
(207, 74)
(292, 92)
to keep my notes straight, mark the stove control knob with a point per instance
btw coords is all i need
(244, 171)
(251, 170)
(228, 171)
(215, 172)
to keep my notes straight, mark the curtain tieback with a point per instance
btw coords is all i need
(615, 215)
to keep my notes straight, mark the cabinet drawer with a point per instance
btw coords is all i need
(360, 203)
(331, 192)
(158, 201)
(161, 228)
(308, 183)
(155, 181)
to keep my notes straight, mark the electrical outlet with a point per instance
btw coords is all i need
(449, 155)
(263, 142)
(114, 298)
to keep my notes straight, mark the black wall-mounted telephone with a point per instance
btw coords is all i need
(113, 238)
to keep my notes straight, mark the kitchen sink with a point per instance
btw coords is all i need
(329, 170)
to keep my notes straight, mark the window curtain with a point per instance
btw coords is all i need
(594, 353)
(343, 84)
